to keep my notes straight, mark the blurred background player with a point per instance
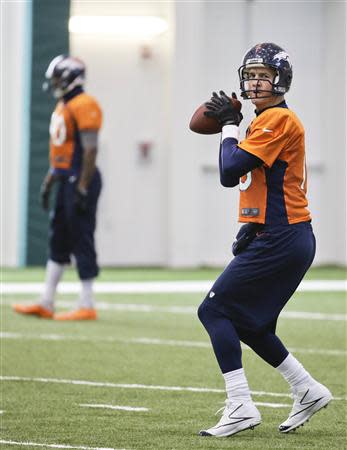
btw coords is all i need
(74, 128)
(274, 248)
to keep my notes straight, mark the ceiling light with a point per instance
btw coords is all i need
(121, 26)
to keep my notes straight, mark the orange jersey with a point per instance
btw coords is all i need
(275, 193)
(82, 112)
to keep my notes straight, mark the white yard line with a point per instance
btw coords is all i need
(316, 351)
(273, 405)
(123, 287)
(143, 308)
(116, 407)
(37, 444)
(139, 386)
(312, 315)
(148, 341)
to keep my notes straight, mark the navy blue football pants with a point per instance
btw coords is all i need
(72, 233)
(247, 298)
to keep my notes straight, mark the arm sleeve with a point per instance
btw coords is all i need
(234, 162)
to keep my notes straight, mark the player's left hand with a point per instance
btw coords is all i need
(81, 203)
(222, 109)
(45, 191)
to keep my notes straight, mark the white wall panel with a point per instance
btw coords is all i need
(331, 202)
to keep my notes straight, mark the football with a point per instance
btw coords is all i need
(201, 124)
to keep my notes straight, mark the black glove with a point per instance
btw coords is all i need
(221, 108)
(245, 236)
(45, 192)
(81, 203)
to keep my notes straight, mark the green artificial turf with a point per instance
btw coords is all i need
(112, 350)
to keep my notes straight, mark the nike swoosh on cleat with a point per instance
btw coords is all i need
(309, 404)
(266, 130)
(239, 419)
(235, 420)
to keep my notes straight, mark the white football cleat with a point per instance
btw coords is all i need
(236, 417)
(307, 401)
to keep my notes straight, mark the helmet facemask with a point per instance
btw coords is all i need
(246, 90)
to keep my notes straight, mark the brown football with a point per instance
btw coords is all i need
(201, 124)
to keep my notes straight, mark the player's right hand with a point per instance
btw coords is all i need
(225, 110)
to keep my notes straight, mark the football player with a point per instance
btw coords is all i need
(74, 128)
(274, 248)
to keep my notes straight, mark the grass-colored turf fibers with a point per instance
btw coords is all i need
(158, 348)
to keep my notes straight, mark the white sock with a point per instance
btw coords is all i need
(87, 297)
(54, 272)
(294, 372)
(236, 385)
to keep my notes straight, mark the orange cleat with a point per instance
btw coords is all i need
(34, 310)
(78, 314)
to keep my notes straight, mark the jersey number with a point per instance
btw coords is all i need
(244, 185)
(57, 129)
